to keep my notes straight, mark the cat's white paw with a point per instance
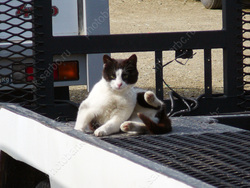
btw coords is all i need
(100, 133)
(127, 126)
(149, 97)
(79, 128)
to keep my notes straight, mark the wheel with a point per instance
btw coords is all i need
(16, 174)
(212, 4)
(43, 184)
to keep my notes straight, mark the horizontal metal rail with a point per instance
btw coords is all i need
(139, 42)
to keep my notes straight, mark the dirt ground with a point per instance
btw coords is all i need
(148, 16)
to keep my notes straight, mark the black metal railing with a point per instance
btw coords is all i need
(244, 97)
(17, 53)
(26, 86)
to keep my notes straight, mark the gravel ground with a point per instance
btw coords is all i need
(147, 16)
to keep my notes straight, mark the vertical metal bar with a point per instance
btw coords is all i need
(44, 59)
(158, 74)
(208, 72)
(96, 22)
(80, 17)
(232, 24)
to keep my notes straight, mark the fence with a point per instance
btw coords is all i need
(36, 92)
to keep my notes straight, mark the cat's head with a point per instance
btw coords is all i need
(120, 73)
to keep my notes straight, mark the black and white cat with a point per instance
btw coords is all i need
(115, 104)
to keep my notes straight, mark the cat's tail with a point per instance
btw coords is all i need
(164, 125)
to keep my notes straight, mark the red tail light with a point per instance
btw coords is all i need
(29, 71)
(67, 70)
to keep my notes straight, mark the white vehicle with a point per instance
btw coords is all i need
(68, 18)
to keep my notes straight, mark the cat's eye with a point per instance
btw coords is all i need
(125, 76)
(112, 76)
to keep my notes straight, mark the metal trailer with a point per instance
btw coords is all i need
(22, 70)
(202, 151)
(199, 152)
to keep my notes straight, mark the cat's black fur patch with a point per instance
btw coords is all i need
(128, 66)
(162, 127)
(141, 101)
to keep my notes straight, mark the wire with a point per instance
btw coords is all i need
(179, 56)
(191, 104)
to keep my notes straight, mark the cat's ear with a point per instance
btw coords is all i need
(107, 59)
(132, 59)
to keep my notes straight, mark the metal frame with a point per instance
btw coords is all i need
(229, 39)
(199, 152)
(234, 99)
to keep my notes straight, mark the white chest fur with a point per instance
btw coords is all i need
(109, 103)
(103, 104)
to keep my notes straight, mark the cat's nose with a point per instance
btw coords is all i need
(119, 85)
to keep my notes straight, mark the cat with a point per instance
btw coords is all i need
(114, 103)
(112, 100)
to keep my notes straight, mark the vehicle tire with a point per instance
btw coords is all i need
(43, 184)
(212, 4)
(17, 174)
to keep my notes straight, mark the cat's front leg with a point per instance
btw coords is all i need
(84, 117)
(110, 127)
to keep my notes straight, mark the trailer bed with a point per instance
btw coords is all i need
(199, 152)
